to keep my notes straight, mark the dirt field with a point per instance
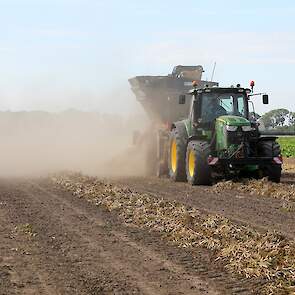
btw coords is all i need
(55, 242)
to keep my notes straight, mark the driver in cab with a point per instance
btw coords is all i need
(212, 110)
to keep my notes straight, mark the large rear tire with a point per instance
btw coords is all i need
(272, 149)
(198, 170)
(176, 155)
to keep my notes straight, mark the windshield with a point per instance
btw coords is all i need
(215, 105)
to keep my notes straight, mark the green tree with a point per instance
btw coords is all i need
(292, 118)
(275, 118)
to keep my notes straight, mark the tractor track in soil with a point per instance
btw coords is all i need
(78, 248)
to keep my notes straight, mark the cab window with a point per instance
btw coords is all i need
(227, 102)
(241, 105)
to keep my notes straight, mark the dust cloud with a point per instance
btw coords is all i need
(38, 143)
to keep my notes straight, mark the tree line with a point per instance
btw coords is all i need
(281, 119)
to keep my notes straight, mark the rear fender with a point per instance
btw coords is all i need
(268, 138)
(182, 130)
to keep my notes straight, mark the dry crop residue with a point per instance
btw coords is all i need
(267, 255)
(289, 166)
(259, 187)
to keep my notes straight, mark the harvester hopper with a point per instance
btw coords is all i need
(159, 94)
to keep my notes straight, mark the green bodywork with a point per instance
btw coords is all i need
(223, 148)
(221, 123)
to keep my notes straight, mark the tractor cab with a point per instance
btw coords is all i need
(211, 103)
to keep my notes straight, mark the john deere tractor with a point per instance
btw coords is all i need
(207, 132)
(219, 138)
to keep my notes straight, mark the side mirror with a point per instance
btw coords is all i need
(265, 99)
(182, 99)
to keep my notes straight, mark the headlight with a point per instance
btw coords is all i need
(246, 128)
(231, 128)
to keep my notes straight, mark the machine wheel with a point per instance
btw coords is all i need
(176, 156)
(162, 165)
(197, 169)
(271, 149)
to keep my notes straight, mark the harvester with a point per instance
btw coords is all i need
(201, 131)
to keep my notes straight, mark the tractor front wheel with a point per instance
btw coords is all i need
(198, 170)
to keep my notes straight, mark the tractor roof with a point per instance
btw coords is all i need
(215, 89)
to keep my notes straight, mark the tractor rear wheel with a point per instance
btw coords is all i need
(176, 155)
(271, 149)
(198, 170)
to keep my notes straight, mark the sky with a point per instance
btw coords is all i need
(61, 54)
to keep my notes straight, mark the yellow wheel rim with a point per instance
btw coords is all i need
(191, 162)
(173, 155)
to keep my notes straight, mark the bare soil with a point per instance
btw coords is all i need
(73, 247)
(52, 242)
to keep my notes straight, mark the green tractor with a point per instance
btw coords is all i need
(207, 133)
(219, 138)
